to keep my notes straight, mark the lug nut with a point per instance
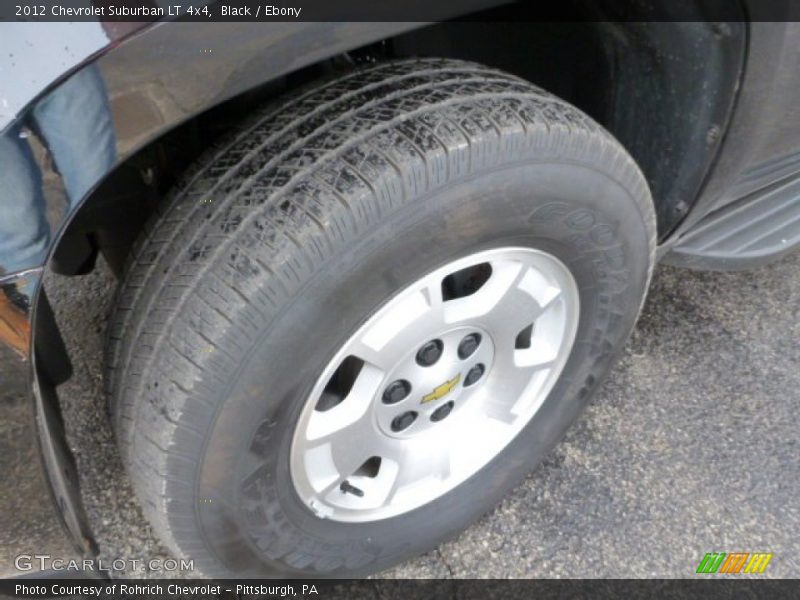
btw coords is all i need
(441, 412)
(396, 391)
(430, 353)
(403, 421)
(474, 374)
(468, 345)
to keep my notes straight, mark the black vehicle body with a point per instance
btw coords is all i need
(709, 110)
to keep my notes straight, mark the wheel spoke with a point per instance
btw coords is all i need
(408, 309)
(525, 300)
(351, 409)
(505, 275)
(391, 352)
(513, 313)
(349, 456)
(334, 457)
(386, 341)
(541, 355)
(425, 463)
(499, 410)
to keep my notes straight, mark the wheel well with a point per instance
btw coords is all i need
(665, 90)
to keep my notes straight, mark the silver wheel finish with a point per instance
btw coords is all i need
(363, 458)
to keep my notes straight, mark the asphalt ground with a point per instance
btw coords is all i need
(691, 446)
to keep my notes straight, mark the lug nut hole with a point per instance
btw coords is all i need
(474, 374)
(468, 345)
(430, 353)
(396, 391)
(404, 421)
(441, 412)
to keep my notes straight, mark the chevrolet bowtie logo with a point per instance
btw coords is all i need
(442, 390)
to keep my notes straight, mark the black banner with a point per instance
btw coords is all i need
(701, 588)
(212, 11)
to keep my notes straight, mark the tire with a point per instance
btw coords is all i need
(286, 237)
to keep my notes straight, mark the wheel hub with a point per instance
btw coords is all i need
(434, 385)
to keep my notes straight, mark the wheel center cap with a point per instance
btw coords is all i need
(439, 373)
(441, 391)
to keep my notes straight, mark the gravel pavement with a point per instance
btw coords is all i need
(691, 446)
